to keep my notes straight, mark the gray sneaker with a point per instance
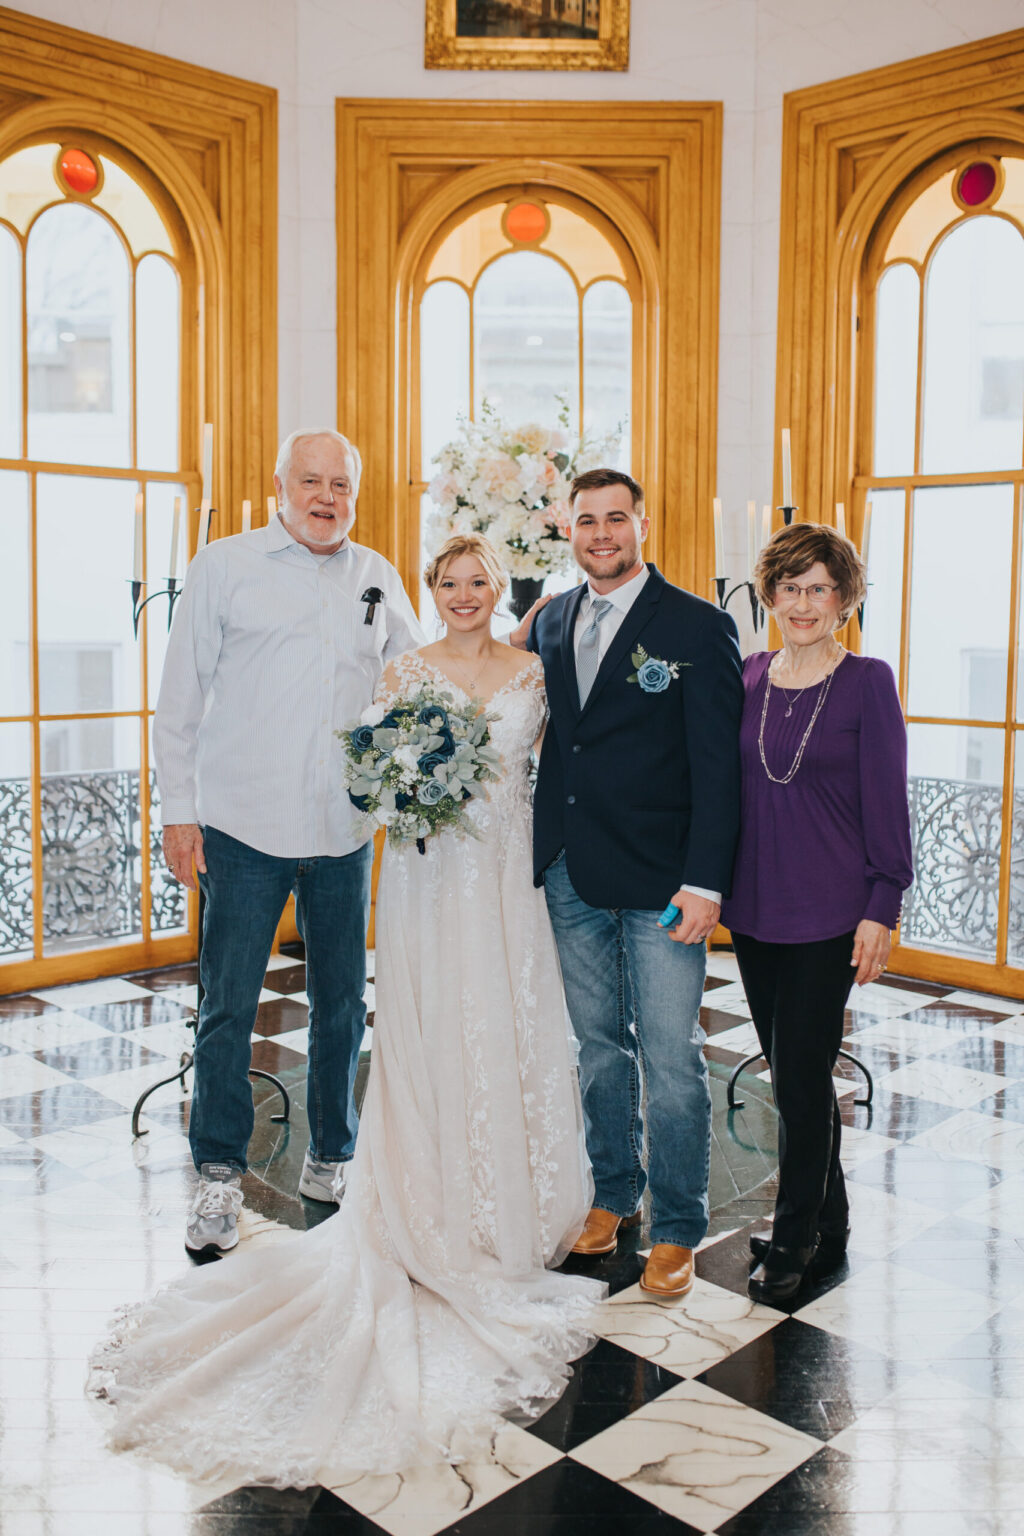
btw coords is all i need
(213, 1214)
(322, 1181)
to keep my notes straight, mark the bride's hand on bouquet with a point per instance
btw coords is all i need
(698, 918)
(521, 634)
(183, 847)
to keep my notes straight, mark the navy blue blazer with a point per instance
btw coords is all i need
(641, 789)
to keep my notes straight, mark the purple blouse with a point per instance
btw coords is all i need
(831, 847)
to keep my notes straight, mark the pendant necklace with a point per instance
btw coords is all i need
(823, 692)
(470, 686)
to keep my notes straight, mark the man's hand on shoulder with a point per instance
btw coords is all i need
(698, 918)
(521, 635)
(183, 847)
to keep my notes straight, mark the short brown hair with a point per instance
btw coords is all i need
(594, 479)
(792, 551)
(468, 544)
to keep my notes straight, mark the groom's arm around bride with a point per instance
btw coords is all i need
(637, 805)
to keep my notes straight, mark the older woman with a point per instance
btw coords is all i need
(823, 859)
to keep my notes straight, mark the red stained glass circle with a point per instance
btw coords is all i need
(525, 223)
(79, 171)
(976, 184)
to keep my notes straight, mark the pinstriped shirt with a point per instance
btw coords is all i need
(269, 655)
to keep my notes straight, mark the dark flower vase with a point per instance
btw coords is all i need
(525, 592)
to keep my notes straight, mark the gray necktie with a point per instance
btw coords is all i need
(589, 653)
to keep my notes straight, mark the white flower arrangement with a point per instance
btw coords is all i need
(512, 484)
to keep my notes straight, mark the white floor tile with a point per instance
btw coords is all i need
(697, 1454)
(429, 1499)
(979, 1139)
(23, 1074)
(49, 1031)
(686, 1336)
(942, 1083)
(88, 994)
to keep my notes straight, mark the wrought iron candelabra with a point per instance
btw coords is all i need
(172, 592)
(724, 597)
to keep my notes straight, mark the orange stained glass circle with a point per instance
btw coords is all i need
(525, 223)
(79, 171)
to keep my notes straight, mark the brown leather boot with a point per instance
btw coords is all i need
(601, 1231)
(668, 1271)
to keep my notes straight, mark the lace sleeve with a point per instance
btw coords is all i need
(397, 678)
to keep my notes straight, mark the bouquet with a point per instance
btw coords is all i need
(512, 484)
(411, 766)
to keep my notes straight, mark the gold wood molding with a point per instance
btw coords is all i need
(209, 141)
(848, 146)
(406, 169)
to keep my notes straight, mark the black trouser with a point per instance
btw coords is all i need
(797, 994)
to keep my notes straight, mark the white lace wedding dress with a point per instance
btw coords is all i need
(399, 1331)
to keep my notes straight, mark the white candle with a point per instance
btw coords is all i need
(787, 470)
(865, 539)
(246, 516)
(841, 519)
(719, 542)
(207, 460)
(137, 548)
(271, 508)
(204, 525)
(766, 525)
(751, 536)
(175, 539)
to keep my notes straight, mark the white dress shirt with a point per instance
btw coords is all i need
(622, 599)
(269, 655)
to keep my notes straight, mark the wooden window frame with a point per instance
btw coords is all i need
(852, 150)
(204, 146)
(650, 170)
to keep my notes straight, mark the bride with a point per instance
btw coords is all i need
(402, 1330)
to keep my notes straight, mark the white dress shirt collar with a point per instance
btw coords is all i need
(621, 598)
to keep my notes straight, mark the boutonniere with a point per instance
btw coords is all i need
(653, 674)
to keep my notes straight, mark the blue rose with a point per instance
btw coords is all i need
(431, 792)
(434, 716)
(653, 676)
(361, 802)
(362, 738)
(401, 800)
(437, 755)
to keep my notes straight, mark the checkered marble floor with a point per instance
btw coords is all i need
(887, 1401)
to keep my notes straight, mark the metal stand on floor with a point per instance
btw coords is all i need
(734, 1103)
(188, 1057)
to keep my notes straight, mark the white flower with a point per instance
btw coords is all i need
(406, 758)
(372, 715)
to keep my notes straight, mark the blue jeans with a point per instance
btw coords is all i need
(245, 894)
(634, 999)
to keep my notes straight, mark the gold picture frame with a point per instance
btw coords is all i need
(446, 49)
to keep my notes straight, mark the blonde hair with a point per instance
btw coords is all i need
(468, 544)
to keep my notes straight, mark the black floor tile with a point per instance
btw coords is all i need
(572, 1499)
(897, 1115)
(715, 1021)
(55, 1109)
(280, 1017)
(135, 1013)
(806, 1377)
(803, 1503)
(286, 979)
(979, 1054)
(607, 1384)
(23, 1006)
(916, 1173)
(909, 984)
(170, 976)
(269, 1056)
(95, 1058)
(712, 983)
(1007, 1104)
(965, 1018)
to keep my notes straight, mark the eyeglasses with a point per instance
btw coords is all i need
(788, 591)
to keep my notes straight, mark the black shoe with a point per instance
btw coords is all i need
(780, 1274)
(829, 1255)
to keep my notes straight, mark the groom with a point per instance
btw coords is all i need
(637, 806)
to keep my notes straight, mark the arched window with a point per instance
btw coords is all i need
(941, 449)
(524, 303)
(95, 279)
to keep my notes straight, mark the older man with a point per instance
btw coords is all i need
(279, 639)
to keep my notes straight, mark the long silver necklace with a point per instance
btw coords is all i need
(819, 705)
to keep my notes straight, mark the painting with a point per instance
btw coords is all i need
(527, 34)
